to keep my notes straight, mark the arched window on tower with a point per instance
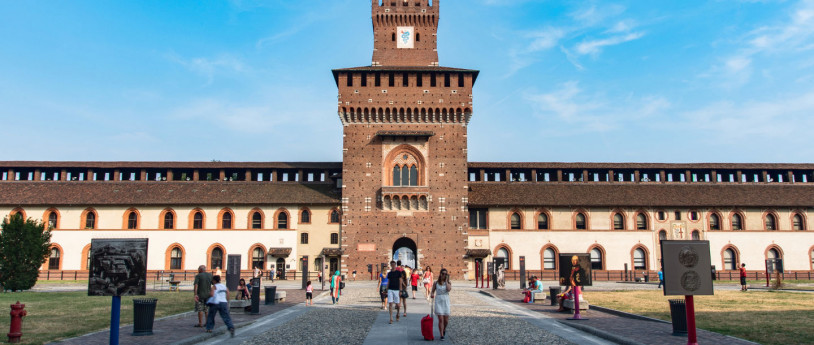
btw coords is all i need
(580, 221)
(618, 221)
(641, 222)
(714, 222)
(771, 222)
(737, 222)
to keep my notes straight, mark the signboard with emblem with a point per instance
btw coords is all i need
(405, 37)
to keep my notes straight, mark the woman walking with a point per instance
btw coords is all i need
(440, 292)
(336, 281)
(427, 281)
(382, 288)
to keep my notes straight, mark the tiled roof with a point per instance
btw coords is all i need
(172, 165)
(633, 166)
(577, 194)
(21, 193)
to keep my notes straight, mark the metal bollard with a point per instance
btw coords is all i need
(16, 329)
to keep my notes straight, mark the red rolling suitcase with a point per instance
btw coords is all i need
(426, 324)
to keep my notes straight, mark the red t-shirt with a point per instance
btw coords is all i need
(743, 271)
(414, 279)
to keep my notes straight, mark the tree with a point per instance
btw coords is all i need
(24, 247)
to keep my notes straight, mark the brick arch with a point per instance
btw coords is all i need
(19, 210)
(282, 210)
(250, 257)
(773, 246)
(48, 212)
(772, 213)
(48, 256)
(803, 220)
(168, 255)
(85, 252)
(84, 217)
(164, 214)
(574, 218)
(126, 215)
(209, 254)
(262, 218)
(743, 219)
(646, 256)
(300, 213)
(647, 219)
(192, 218)
(556, 257)
(613, 213)
(602, 251)
(388, 163)
(737, 257)
(545, 212)
(222, 212)
(520, 214)
(508, 249)
(720, 220)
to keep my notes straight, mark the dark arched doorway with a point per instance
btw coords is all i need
(405, 249)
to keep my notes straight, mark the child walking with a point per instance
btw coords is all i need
(309, 294)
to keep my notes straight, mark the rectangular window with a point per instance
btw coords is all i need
(392, 81)
(678, 215)
(304, 238)
(477, 218)
(405, 80)
(662, 216)
(432, 80)
(364, 79)
(460, 80)
(334, 238)
(446, 80)
(378, 79)
(419, 82)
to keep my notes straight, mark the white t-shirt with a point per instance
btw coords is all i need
(220, 293)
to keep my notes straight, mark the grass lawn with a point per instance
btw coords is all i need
(766, 317)
(57, 315)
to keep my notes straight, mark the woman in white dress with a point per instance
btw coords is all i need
(440, 292)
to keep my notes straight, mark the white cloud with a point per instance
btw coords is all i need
(238, 118)
(594, 47)
(210, 67)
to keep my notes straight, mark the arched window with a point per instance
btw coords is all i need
(258, 258)
(257, 220)
(662, 235)
(773, 253)
(639, 259)
(796, 222)
(216, 258)
(53, 259)
(714, 222)
(334, 238)
(282, 220)
(305, 216)
(406, 166)
(132, 220)
(581, 224)
(53, 219)
(413, 175)
(169, 220)
(737, 222)
(397, 176)
(542, 221)
(596, 259)
(504, 253)
(90, 219)
(730, 259)
(334, 216)
(304, 238)
(618, 221)
(515, 221)
(771, 222)
(226, 220)
(641, 222)
(197, 220)
(176, 258)
(549, 259)
(696, 235)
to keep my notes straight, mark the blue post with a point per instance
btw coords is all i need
(115, 313)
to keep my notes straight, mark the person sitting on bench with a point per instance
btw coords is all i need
(535, 287)
(243, 290)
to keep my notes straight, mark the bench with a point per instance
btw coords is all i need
(280, 296)
(539, 297)
(569, 303)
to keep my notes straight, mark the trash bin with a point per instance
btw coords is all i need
(271, 294)
(678, 313)
(646, 276)
(143, 316)
(553, 292)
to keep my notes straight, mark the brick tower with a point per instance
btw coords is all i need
(404, 155)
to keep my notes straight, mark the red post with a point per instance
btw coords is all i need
(16, 329)
(576, 304)
(767, 276)
(691, 336)
(488, 279)
(477, 273)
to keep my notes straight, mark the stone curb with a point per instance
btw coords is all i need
(599, 333)
(627, 315)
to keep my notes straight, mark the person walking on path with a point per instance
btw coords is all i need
(743, 277)
(440, 294)
(219, 303)
(403, 294)
(309, 294)
(395, 282)
(414, 281)
(661, 278)
(336, 281)
(382, 288)
(427, 281)
(201, 289)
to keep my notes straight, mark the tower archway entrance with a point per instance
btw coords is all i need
(405, 249)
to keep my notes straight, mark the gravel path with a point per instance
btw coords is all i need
(474, 321)
(344, 323)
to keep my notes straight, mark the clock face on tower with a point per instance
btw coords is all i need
(405, 37)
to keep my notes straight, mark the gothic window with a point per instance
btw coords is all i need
(580, 221)
(169, 220)
(305, 216)
(542, 221)
(334, 216)
(257, 220)
(132, 220)
(176, 257)
(516, 224)
(549, 259)
(197, 220)
(714, 222)
(796, 222)
(771, 222)
(405, 170)
(226, 221)
(216, 258)
(737, 222)
(52, 220)
(641, 222)
(618, 221)
(639, 259)
(90, 220)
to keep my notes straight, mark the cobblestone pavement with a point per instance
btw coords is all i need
(634, 330)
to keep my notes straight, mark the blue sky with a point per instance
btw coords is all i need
(563, 81)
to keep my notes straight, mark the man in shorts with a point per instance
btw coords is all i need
(395, 282)
(201, 288)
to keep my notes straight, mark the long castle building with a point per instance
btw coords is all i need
(406, 189)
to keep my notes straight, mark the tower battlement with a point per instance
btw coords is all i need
(405, 32)
(405, 6)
